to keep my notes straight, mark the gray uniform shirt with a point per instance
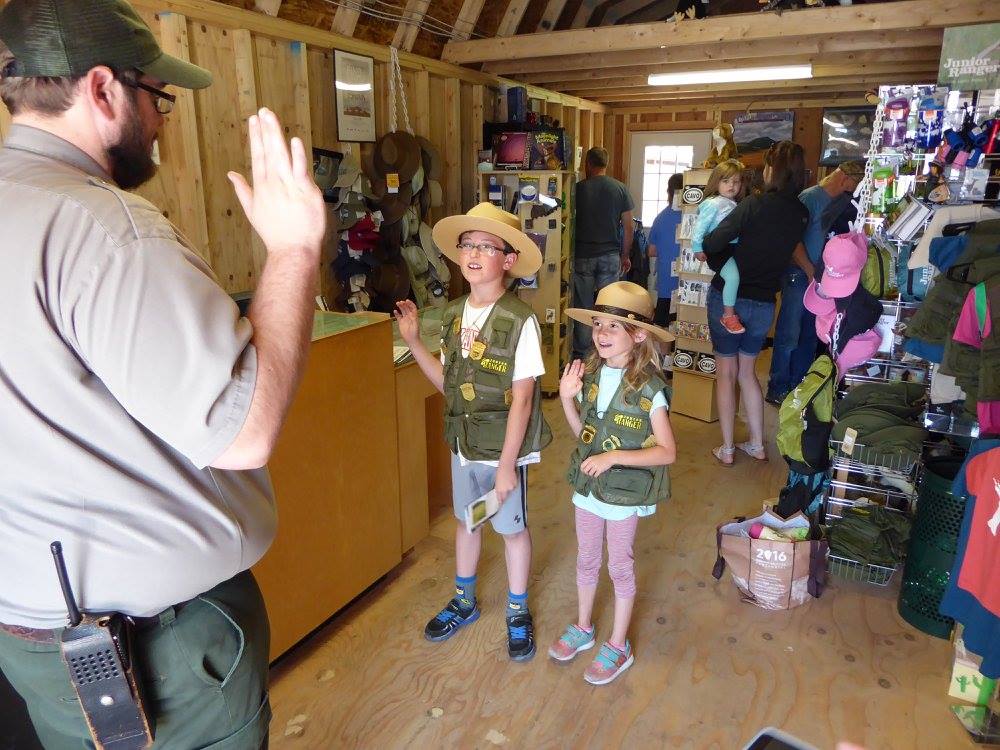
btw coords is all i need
(124, 371)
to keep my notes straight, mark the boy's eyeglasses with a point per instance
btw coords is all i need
(163, 101)
(490, 251)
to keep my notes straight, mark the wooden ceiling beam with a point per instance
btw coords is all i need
(821, 73)
(901, 15)
(512, 17)
(409, 25)
(723, 51)
(268, 7)
(584, 13)
(859, 60)
(553, 9)
(749, 90)
(465, 24)
(345, 20)
(821, 94)
(648, 108)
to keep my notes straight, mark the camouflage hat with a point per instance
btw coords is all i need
(853, 168)
(63, 38)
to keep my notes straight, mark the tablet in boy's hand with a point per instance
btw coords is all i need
(481, 510)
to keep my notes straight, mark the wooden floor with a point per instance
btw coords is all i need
(709, 671)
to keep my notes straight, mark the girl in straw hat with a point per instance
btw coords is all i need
(616, 403)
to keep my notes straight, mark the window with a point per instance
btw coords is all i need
(659, 163)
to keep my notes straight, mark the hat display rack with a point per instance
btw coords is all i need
(384, 248)
(892, 482)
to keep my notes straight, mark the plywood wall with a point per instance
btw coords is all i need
(205, 136)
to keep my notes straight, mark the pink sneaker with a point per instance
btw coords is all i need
(608, 664)
(570, 643)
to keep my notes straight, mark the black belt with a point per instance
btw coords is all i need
(51, 635)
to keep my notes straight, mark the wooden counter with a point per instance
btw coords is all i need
(336, 477)
(424, 458)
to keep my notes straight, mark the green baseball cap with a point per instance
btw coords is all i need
(63, 38)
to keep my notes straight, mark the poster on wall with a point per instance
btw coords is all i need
(354, 81)
(758, 131)
(847, 134)
(970, 57)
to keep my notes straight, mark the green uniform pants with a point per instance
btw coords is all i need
(204, 675)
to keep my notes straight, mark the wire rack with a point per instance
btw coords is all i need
(843, 494)
(887, 464)
(862, 572)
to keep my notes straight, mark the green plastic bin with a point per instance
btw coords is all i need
(933, 544)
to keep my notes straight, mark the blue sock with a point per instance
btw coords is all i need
(517, 604)
(465, 591)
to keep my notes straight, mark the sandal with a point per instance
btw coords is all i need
(756, 452)
(722, 453)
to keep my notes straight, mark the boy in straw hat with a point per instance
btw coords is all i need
(488, 371)
(616, 403)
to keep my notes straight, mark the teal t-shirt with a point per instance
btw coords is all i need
(608, 381)
(816, 199)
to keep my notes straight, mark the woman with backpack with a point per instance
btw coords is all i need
(767, 228)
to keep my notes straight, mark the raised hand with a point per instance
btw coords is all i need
(284, 204)
(409, 321)
(571, 382)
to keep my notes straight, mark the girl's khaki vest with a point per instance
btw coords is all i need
(625, 425)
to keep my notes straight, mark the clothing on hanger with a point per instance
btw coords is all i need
(944, 216)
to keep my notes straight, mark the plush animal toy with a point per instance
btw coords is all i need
(724, 147)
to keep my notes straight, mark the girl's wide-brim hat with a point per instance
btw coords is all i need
(488, 218)
(624, 301)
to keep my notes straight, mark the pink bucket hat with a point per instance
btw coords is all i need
(817, 302)
(843, 258)
(858, 350)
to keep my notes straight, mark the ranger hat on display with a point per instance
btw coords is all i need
(488, 218)
(64, 38)
(624, 301)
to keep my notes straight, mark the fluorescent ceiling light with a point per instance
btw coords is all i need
(732, 75)
(354, 86)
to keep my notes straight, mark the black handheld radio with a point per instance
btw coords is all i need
(97, 649)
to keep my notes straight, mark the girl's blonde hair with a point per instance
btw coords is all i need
(640, 360)
(728, 168)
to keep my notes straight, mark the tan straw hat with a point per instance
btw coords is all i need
(488, 218)
(624, 301)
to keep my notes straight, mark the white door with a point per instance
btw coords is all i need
(655, 157)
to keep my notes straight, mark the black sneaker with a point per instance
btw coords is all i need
(520, 637)
(775, 400)
(446, 622)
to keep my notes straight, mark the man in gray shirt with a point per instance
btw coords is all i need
(603, 238)
(137, 407)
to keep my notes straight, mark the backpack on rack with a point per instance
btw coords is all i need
(912, 283)
(805, 419)
(639, 255)
(877, 276)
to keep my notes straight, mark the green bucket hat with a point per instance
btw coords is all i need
(62, 38)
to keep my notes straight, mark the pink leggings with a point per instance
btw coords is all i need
(590, 546)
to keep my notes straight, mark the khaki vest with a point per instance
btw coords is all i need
(625, 426)
(478, 389)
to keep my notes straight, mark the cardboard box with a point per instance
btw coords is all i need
(694, 395)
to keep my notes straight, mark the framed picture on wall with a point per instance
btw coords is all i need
(847, 134)
(354, 85)
(758, 131)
